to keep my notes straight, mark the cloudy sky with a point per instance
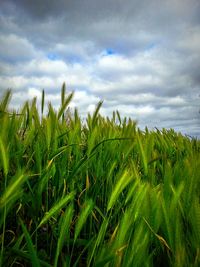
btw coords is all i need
(141, 57)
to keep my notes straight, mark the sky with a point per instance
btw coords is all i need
(140, 57)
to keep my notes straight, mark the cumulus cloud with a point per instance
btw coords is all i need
(141, 57)
(14, 48)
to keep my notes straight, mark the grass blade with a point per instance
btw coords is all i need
(83, 217)
(4, 103)
(56, 208)
(64, 105)
(63, 91)
(12, 189)
(64, 229)
(32, 251)
(4, 157)
(42, 104)
(120, 185)
(94, 118)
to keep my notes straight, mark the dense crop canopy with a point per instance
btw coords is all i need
(95, 193)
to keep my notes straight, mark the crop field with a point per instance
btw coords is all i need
(98, 192)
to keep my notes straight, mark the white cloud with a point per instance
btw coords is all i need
(151, 72)
(14, 48)
(190, 40)
(13, 82)
(114, 63)
(45, 67)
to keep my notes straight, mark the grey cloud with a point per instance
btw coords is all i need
(14, 48)
(103, 21)
(153, 74)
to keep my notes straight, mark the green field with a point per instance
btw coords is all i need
(95, 193)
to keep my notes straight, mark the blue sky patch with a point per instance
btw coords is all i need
(52, 56)
(110, 51)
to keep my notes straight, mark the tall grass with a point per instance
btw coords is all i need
(99, 193)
